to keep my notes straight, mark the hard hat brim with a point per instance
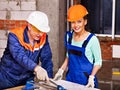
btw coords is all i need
(44, 29)
(40, 28)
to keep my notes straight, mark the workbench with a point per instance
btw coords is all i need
(16, 88)
(67, 85)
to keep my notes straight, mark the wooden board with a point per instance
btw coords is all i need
(15, 88)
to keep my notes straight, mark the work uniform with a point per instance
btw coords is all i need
(79, 67)
(20, 58)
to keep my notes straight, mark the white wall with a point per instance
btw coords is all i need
(51, 8)
(3, 41)
(16, 9)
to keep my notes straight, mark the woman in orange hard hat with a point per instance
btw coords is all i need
(83, 58)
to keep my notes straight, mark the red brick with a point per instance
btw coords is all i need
(10, 24)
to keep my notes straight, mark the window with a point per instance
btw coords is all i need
(101, 12)
(100, 16)
(117, 23)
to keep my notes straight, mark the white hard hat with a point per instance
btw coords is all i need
(39, 20)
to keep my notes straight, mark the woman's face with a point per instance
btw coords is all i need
(34, 32)
(79, 25)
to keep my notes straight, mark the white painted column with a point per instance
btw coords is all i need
(113, 19)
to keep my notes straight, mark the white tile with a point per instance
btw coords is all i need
(116, 51)
(3, 44)
(19, 15)
(28, 0)
(1, 52)
(2, 14)
(9, 6)
(15, 15)
(3, 0)
(28, 5)
(16, 0)
(3, 34)
(14, 5)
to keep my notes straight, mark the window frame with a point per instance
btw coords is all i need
(112, 35)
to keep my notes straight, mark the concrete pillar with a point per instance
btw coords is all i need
(55, 9)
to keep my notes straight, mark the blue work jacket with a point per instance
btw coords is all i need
(18, 63)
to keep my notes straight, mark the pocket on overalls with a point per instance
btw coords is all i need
(86, 74)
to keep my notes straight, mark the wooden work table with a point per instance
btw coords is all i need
(15, 88)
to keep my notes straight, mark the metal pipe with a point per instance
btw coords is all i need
(68, 4)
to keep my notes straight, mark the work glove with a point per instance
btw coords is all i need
(59, 75)
(41, 73)
(90, 82)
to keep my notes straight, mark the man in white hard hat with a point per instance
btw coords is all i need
(25, 48)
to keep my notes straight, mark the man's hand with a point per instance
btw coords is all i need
(41, 73)
(59, 75)
(90, 82)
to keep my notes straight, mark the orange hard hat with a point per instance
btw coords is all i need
(76, 12)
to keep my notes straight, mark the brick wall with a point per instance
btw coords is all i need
(3, 41)
(105, 73)
(13, 14)
(10, 24)
(16, 9)
(106, 47)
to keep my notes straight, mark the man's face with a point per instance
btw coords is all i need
(35, 33)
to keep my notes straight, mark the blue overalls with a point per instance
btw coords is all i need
(79, 67)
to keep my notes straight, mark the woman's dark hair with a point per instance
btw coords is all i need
(86, 16)
(87, 26)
